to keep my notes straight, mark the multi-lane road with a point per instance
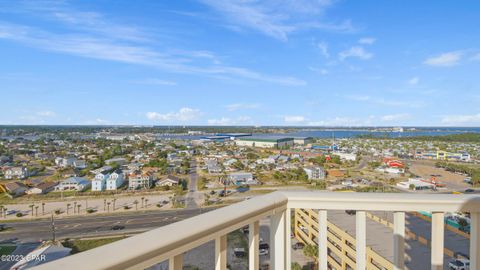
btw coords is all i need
(90, 226)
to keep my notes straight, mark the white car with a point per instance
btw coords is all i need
(459, 264)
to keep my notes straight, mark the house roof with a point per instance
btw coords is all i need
(14, 186)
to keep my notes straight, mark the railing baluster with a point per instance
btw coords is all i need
(474, 240)
(176, 262)
(254, 242)
(437, 240)
(221, 253)
(398, 240)
(277, 241)
(322, 240)
(361, 233)
(288, 239)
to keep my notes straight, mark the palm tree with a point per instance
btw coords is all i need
(68, 207)
(108, 207)
(78, 210)
(143, 199)
(5, 212)
(114, 200)
(104, 204)
(43, 208)
(74, 207)
(36, 211)
(136, 205)
(146, 203)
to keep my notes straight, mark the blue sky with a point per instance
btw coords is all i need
(240, 62)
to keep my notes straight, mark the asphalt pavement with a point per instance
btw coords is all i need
(91, 226)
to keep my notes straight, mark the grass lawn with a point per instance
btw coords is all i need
(7, 249)
(83, 245)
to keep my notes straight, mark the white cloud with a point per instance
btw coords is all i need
(476, 57)
(89, 43)
(276, 19)
(225, 121)
(323, 47)
(367, 41)
(46, 113)
(239, 106)
(343, 121)
(356, 52)
(184, 114)
(321, 71)
(395, 117)
(153, 81)
(414, 81)
(386, 102)
(294, 119)
(458, 120)
(445, 59)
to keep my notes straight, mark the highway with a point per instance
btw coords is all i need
(90, 226)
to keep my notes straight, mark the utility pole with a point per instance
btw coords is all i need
(53, 229)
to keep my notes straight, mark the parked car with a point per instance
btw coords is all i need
(117, 227)
(469, 190)
(263, 249)
(459, 264)
(298, 245)
(239, 252)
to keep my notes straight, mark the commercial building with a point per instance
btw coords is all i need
(265, 142)
(302, 140)
(443, 155)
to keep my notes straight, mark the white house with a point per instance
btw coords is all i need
(115, 180)
(73, 183)
(138, 180)
(242, 178)
(169, 181)
(16, 173)
(65, 162)
(315, 173)
(99, 183)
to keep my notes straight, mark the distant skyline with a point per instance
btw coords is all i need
(237, 62)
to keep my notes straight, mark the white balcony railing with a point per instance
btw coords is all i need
(171, 241)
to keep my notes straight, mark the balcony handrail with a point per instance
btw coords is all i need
(147, 249)
(404, 202)
(152, 247)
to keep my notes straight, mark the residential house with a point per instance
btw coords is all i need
(73, 183)
(241, 178)
(118, 160)
(315, 173)
(42, 188)
(16, 188)
(80, 164)
(168, 181)
(100, 181)
(104, 169)
(65, 162)
(16, 173)
(115, 180)
(139, 180)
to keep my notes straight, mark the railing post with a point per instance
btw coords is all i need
(221, 253)
(254, 242)
(474, 240)
(288, 239)
(322, 240)
(277, 241)
(437, 240)
(176, 263)
(361, 233)
(399, 240)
